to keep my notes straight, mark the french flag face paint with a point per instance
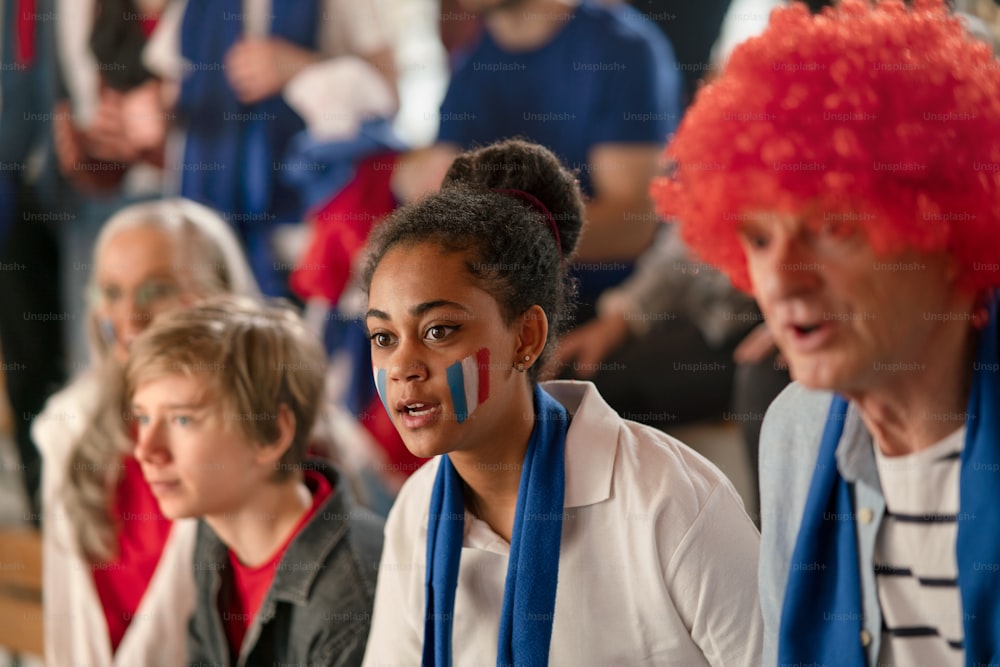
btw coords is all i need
(469, 382)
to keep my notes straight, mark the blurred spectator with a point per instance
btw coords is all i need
(100, 123)
(31, 207)
(692, 28)
(745, 19)
(340, 171)
(596, 85)
(246, 77)
(117, 586)
(748, 18)
(682, 320)
(701, 343)
(339, 230)
(421, 67)
(459, 29)
(982, 19)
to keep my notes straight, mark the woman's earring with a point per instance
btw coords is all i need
(520, 366)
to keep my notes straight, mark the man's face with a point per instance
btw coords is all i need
(845, 318)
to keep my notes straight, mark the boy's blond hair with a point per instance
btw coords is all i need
(255, 358)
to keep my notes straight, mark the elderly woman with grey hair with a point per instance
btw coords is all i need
(117, 582)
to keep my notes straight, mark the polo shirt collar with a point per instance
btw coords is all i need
(591, 442)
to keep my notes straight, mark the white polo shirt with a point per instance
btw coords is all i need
(658, 564)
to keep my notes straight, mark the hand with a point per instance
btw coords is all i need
(259, 68)
(74, 160)
(757, 346)
(105, 138)
(67, 139)
(591, 343)
(143, 116)
(420, 173)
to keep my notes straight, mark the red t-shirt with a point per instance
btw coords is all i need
(142, 534)
(250, 584)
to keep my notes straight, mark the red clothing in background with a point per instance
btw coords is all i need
(142, 534)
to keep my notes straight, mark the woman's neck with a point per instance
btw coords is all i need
(492, 472)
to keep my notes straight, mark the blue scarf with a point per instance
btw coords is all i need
(533, 569)
(821, 619)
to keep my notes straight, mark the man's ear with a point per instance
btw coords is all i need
(533, 331)
(271, 453)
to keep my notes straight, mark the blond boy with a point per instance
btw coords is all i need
(225, 395)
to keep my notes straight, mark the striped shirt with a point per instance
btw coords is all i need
(915, 564)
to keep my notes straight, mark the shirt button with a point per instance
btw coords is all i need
(866, 638)
(865, 515)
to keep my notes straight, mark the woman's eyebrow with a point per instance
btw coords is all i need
(419, 309)
(422, 308)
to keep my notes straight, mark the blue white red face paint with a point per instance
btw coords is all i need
(468, 382)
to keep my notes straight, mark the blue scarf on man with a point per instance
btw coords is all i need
(533, 568)
(821, 620)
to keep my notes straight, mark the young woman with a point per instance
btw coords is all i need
(117, 581)
(546, 530)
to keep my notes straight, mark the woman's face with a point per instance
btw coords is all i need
(846, 318)
(136, 279)
(442, 354)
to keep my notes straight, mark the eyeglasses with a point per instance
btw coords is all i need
(147, 296)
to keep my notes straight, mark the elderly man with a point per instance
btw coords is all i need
(845, 169)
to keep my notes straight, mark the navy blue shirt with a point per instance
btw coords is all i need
(608, 76)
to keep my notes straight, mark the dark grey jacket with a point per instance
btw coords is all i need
(318, 609)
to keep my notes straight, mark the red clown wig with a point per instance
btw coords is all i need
(884, 117)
